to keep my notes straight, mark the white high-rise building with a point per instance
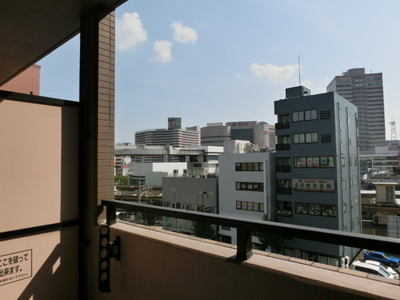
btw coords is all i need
(366, 92)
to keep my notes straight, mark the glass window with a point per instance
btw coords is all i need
(295, 138)
(314, 137)
(295, 116)
(237, 166)
(301, 116)
(301, 208)
(308, 138)
(301, 138)
(307, 115)
(328, 210)
(313, 114)
(314, 209)
(244, 205)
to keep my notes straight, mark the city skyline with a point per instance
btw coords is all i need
(218, 62)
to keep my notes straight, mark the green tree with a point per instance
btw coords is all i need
(201, 229)
(270, 240)
(149, 219)
(121, 180)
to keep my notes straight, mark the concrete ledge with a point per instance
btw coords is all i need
(303, 278)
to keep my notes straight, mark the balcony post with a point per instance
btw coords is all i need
(244, 245)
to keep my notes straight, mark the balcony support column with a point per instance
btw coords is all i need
(244, 245)
(96, 122)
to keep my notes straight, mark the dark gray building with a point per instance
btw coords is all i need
(317, 170)
(366, 92)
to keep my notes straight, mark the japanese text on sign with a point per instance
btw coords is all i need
(15, 266)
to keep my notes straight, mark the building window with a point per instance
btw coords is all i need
(314, 209)
(284, 187)
(252, 206)
(249, 166)
(305, 115)
(283, 142)
(250, 186)
(284, 208)
(283, 122)
(283, 164)
(314, 162)
(305, 138)
(314, 185)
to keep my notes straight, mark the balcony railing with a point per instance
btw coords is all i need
(282, 125)
(245, 227)
(284, 169)
(283, 191)
(282, 146)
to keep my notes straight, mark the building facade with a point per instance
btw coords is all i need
(366, 92)
(259, 133)
(245, 188)
(173, 136)
(317, 169)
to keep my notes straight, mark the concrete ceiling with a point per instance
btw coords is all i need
(31, 29)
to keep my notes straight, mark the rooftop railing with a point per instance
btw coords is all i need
(245, 227)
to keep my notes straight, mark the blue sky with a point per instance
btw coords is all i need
(222, 61)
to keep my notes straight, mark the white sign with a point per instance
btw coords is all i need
(15, 266)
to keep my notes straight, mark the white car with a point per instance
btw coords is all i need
(371, 269)
(383, 266)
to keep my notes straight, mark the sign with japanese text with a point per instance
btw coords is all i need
(314, 185)
(15, 266)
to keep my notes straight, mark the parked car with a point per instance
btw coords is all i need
(384, 267)
(390, 261)
(370, 269)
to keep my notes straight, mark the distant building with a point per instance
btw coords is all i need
(245, 187)
(173, 136)
(27, 82)
(366, 92)
(259, 133)
(317, 170)
(189, 193)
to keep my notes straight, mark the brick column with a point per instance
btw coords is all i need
(97, 109)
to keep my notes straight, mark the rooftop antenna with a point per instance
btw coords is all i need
(298, 65)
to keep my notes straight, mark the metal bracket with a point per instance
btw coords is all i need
(107, 250)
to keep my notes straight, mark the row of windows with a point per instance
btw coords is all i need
(249, 166)
(252, 206)
(324, 210)
(305, 138)
(314, 162)
(305, 115)
(250, 186)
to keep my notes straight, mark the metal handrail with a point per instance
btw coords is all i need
(245, 227)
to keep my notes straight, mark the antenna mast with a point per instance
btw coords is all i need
(298, 65)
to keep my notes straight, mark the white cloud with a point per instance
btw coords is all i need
(274, 74)
(130, 31)
(162, 51)
(183, 34)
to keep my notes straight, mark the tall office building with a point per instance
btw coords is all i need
(366, 92)
(317, 170)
